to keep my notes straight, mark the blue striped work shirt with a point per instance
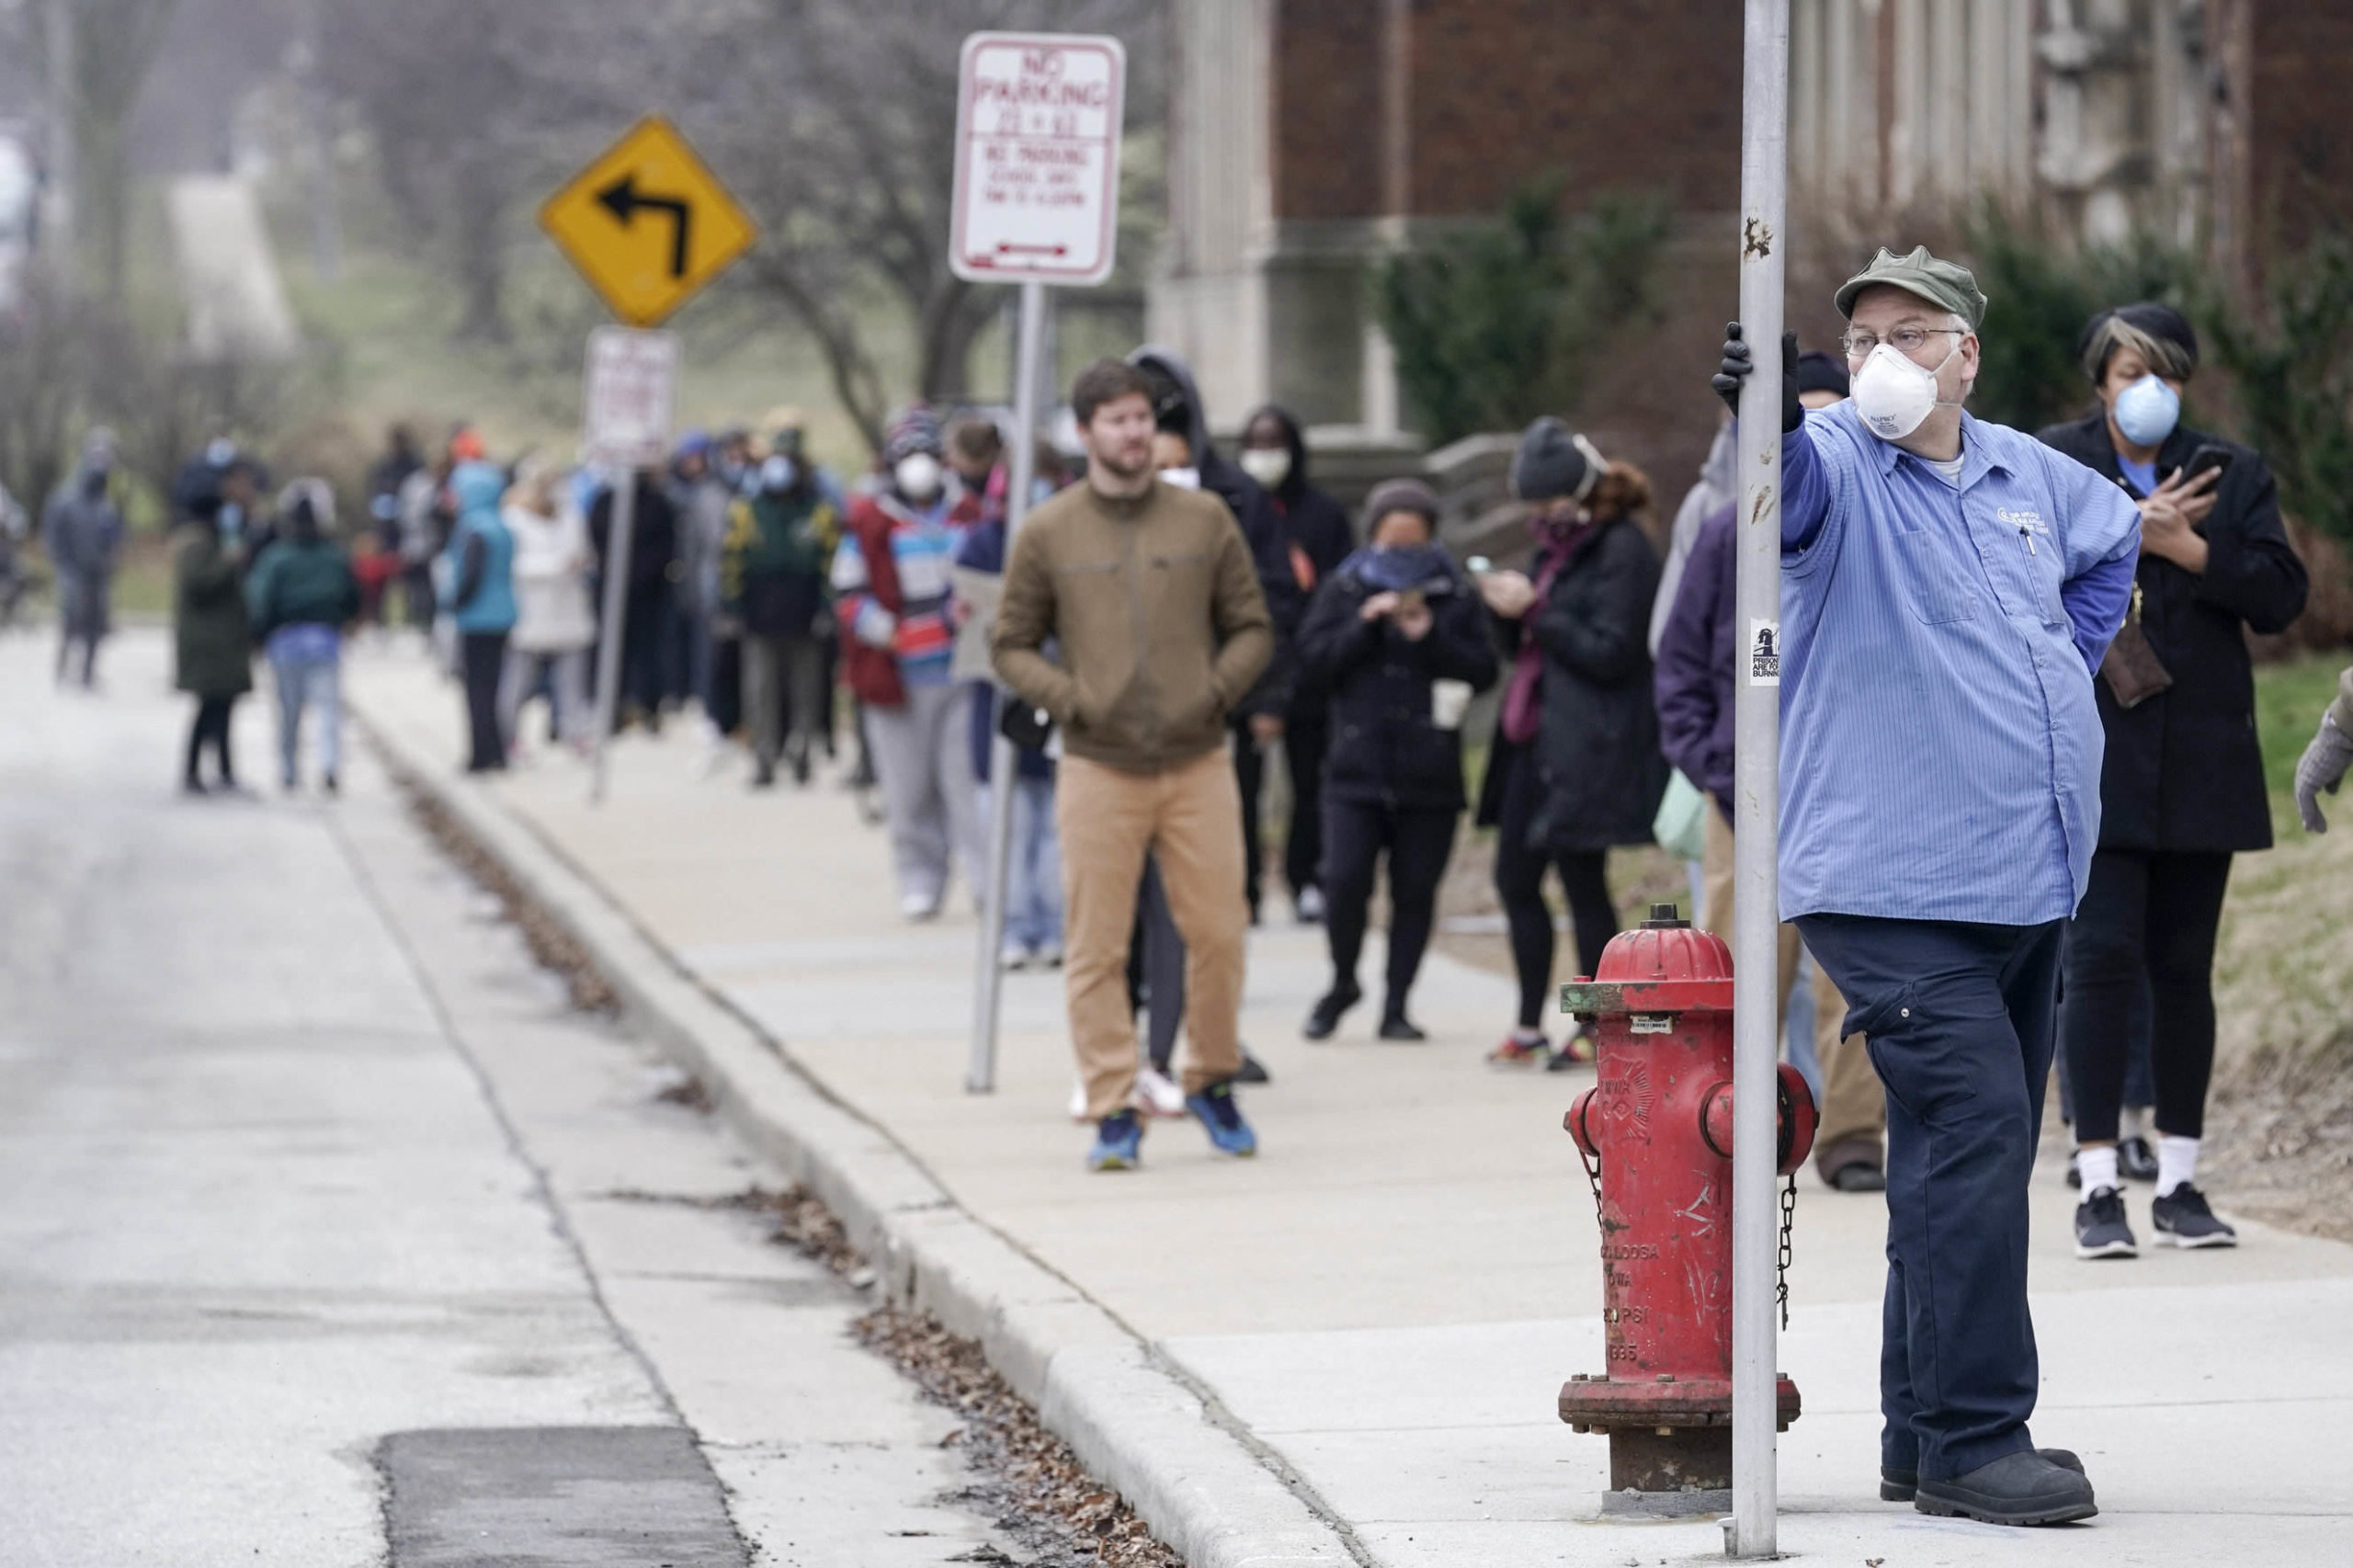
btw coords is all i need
(1940, 747)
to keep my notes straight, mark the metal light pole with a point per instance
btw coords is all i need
(618, 539)
(980, 1077)
(1764, 182)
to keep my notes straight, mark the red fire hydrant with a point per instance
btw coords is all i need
(1656, 1131)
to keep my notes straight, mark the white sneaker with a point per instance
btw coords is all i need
(1078, 1103)
(918, 906)
(1048, 957)
(1014, 957)
(1311, 906)
(1156, 1096)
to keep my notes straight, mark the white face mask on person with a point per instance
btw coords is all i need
(2147, 410)
(1182, 478)
(917, 476)
(1894, 395)
(1268, 465)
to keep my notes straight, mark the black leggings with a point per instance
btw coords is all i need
(2148, 917)
(484, 660)
(1519, 881)
(211, 728)
(1419, 843)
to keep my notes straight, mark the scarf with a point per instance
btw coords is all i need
(1394, 571)
(1557, 539)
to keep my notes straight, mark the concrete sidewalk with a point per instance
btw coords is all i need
(1388, 1298)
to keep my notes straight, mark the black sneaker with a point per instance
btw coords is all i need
(2075, 1169)
(2022, 1488)
(1898, 1485)
(2135, 1161)
(1398, 1026)
(1327, 1013)
(1253, 1070)
(2180, 1217)
(2101, 1230)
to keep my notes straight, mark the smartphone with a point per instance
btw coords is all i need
(2207, 457)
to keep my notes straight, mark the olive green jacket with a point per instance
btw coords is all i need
(1155, 606)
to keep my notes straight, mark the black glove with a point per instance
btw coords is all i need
(1737, 364)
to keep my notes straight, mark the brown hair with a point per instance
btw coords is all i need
(1106, 381)
(1622, 490)
(976, 440)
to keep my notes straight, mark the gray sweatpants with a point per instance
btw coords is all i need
(922, 754)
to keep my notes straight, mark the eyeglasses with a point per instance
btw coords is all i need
(1905, 340)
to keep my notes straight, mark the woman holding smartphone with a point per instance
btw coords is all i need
(1397, 639)
(1574, 768)
(2182, 788)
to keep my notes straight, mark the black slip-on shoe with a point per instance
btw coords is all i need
(1328, 1011)
(1897, 1485)
(2135, 1161)
(2022, 1488)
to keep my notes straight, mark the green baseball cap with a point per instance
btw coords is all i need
(1947, 284)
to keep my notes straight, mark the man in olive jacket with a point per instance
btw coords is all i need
(1151, 594)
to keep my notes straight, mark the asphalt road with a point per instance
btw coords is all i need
(333, 1236)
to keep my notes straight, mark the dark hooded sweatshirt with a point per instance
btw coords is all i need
(1262, 525)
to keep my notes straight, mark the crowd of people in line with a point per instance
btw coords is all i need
(2018, 748)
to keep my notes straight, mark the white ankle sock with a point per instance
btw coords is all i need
(2098, 1168)
(2177, 1163)
(2132, 1121)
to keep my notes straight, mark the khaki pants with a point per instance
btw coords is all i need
(1190, 817)
(1854, 1103)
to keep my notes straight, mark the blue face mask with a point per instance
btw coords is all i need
(2147, 410)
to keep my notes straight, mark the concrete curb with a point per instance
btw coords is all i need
(1095, 1384)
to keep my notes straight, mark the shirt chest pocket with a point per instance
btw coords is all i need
(2028, 565)
(1935, 586)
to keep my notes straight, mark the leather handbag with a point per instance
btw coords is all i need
(2131, 669)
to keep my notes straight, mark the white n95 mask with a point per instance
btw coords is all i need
(1893, 395)
(1268, 465)
(918, 476)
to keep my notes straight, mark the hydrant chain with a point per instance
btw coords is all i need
(1789, 1222)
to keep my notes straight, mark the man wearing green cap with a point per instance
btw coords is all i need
(1949, 586)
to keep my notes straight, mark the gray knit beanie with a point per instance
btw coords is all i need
(1553, 461)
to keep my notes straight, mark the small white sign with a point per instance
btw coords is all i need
(1037, 159)
(1764, 652)
(633, 387)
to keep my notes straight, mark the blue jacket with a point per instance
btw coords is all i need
(1940, 747)
(482, 551)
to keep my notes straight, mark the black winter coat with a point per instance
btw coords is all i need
(1597, 750)
(2184, 771)
(1385, 748)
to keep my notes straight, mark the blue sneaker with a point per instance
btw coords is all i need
(1222, 1118)
(1119, 1144)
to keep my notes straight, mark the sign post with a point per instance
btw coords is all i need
(632, 393)
(1756, 727)
(1038, 119)
(648, 225)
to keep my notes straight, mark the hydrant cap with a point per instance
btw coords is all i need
(1666, 917)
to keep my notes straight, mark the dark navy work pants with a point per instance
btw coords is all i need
(1961, 1021)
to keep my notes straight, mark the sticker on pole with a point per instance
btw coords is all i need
(1764, 652)
(633, 388)
(1037, 159)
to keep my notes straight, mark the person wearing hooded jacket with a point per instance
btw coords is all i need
(1575, 768)
(555, 620)
(82, 530)
(1385, 629)
(1256, 721)
(2181, 774)
(482, 603)
(893, 584)
(651, 580)
(773, 569)
(212, 639)
(301, 595)
(1316, 535)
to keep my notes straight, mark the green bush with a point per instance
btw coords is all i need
(2291, 367)
(1496, 323)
